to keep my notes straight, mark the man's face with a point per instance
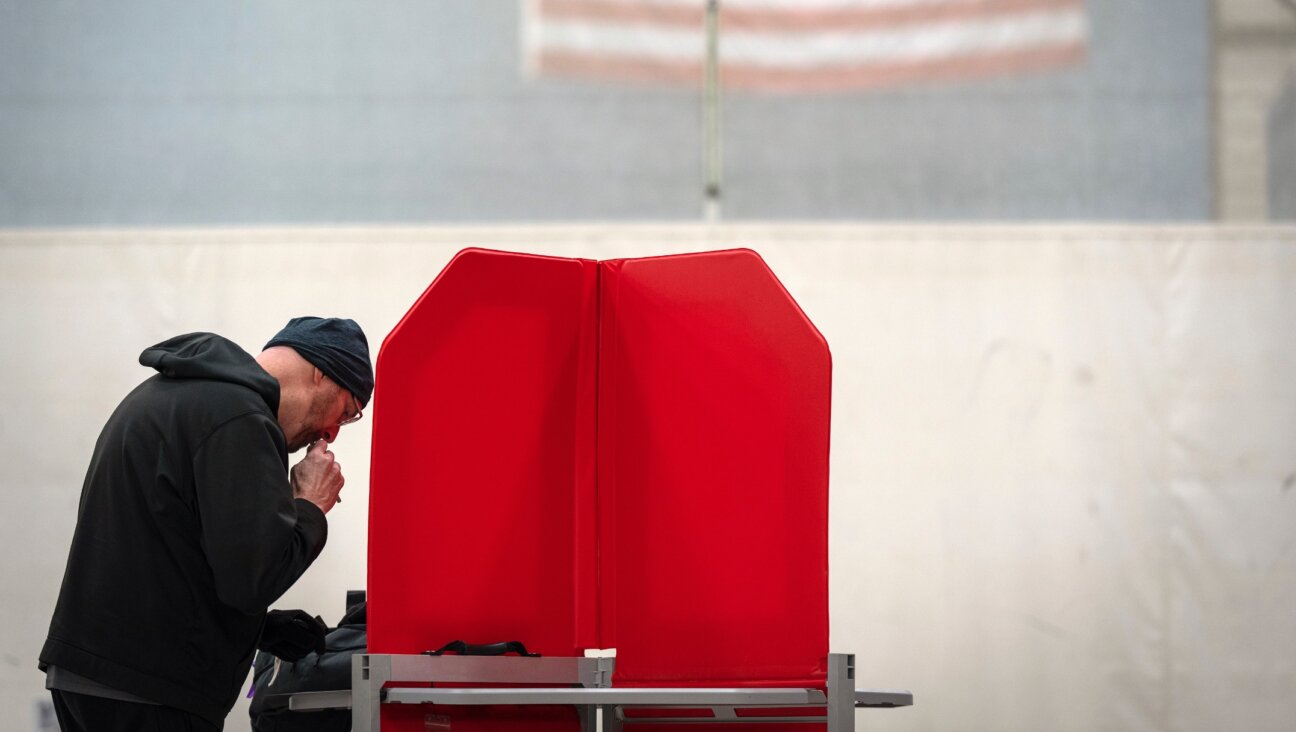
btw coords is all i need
(329, 408)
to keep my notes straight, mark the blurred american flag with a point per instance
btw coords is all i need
(803, 45)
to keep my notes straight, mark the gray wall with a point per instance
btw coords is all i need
(144, 112)
(1282, 155)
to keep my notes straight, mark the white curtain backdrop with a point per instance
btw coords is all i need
(1064, 470)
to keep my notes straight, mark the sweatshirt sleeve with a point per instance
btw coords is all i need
(258, 538)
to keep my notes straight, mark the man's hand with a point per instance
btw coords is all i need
(318, 477)
(292, 634)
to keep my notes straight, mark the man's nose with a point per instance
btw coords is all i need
(331, 433)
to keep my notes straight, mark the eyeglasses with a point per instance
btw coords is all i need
(358, 414)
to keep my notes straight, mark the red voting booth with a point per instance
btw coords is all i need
(627, 454)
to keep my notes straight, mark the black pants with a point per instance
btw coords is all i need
(82, 713)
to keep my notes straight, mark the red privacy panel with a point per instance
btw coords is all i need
(714, 394)
(628, 454)
(481, 490)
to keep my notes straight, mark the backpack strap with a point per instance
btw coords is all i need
(488, 649)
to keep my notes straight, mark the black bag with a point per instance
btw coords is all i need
(329, 671)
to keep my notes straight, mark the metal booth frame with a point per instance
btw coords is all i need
(586, 683)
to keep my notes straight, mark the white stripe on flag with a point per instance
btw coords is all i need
(806, 50)
(804, 45)
(812, 5)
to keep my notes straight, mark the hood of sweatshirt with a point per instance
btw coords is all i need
(209, 356)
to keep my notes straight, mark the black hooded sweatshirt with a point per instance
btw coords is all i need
(186, 532)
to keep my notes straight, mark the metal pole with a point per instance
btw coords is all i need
(368, 674)
(711, 157)
(841, 692)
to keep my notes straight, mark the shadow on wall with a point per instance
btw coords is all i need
(43, 714)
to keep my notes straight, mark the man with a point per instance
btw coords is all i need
(190, 524)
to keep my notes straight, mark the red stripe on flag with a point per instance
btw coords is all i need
(821, 79)
(628, 13)
(854, 19)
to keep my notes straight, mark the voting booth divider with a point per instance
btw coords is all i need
(628, 454)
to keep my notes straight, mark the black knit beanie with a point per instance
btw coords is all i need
(336, 346)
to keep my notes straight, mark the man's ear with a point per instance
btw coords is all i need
(318, 376)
